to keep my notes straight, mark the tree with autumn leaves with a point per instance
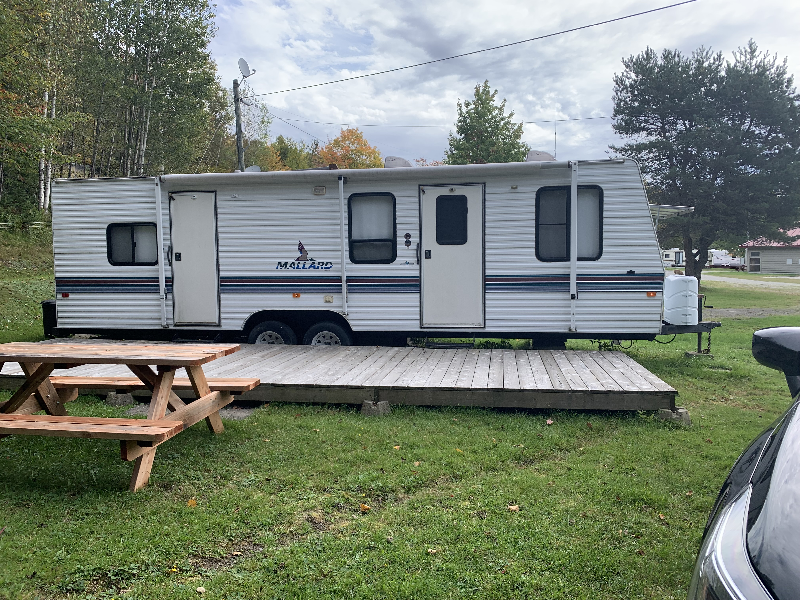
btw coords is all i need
(350, 150)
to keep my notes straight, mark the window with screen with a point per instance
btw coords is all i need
(132, 244)
(451, 220)
(553, 223)
(372, 226)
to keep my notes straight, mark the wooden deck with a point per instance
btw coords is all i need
(587, 380)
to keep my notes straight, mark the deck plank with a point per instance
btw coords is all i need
(450, 379)
(480, 379)
(524, 371)
(347, 378)
(436, 376)
(467, 371)
(319, 364)
(510, 372)
(400, 368)
(589, 380)
(605, 380)
(427, 370)
(557, 379)
(657, 383)
(573, 378)
(496, 369)
(387, 358)
(615, 373)
(539, 372)
(419, 364)
(298, 369)
(615, 358)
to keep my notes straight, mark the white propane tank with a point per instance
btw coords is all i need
(680, 300)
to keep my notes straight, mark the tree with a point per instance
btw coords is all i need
(484, 133)
(295, 155)
(721, 136)
(350, 150)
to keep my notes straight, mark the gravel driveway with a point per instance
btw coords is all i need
(752, 282)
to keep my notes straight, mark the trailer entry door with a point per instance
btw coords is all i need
(451, 255)
(195, 272)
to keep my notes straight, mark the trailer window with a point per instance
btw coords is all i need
(451, 220)
(553, 219)
(132, 244)
(372, 226)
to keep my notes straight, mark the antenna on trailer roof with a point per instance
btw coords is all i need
(237, 100)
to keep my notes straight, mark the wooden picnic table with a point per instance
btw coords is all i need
(138, 437)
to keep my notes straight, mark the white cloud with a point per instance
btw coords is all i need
(303, 42)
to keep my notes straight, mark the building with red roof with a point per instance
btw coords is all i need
(767, 256)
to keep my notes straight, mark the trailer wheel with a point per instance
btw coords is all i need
(327, 334)
(272, 332)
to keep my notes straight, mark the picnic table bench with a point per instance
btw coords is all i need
(138, 437)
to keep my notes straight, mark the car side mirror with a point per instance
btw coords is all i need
(779, 348)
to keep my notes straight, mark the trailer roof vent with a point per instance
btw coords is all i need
(391, 162)
(538, 155)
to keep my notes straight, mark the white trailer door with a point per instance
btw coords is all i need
(195, 272)
(451, 255)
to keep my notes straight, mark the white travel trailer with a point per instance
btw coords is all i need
(546, 250)
(672, 257)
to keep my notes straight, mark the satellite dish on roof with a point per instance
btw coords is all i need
(245, 69)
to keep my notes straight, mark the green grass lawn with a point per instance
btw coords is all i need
(304, 501)
(742, 275)
(26, 278)
(720, 295)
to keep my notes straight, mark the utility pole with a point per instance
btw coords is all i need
(237, 108)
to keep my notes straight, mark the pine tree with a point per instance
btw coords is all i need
(484, 133)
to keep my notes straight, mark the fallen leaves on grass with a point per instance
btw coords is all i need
(459, 450)
(364, 508)
(396, 447)
(549, 421)
(513, 508)
(432, 551)
(191, 503)
(689, 493)
(416, 463)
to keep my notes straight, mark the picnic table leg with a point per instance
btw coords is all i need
(46, 394)
(158, 407)
(200, 387)
(36, 376)
(148, 377)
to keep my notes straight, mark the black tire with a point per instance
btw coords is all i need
(272, 332)
(327, 334)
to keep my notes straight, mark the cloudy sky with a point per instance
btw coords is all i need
(293, 43)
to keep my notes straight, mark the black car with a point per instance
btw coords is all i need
(751, 545)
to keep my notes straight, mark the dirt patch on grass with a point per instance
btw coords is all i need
(238, 551)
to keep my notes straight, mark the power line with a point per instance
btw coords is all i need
(296, 127)
(413, 126)
(564, 120)
(430, 62)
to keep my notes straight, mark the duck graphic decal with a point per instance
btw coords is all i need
(304, 261)
(303, 252)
